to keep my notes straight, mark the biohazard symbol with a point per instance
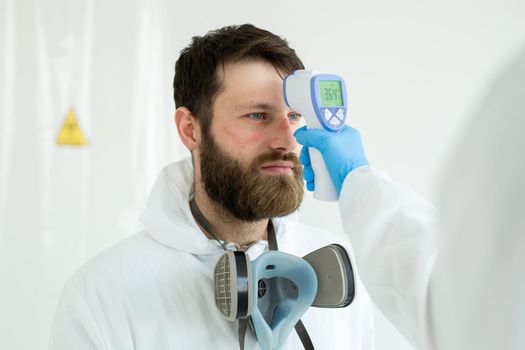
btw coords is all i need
(70, 134)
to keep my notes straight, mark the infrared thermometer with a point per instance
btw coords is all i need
(321, 100)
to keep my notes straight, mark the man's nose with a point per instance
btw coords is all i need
(281, 135)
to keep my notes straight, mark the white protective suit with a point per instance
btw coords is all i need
(462, 286)
(155, 289)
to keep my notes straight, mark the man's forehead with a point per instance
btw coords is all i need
(250, 85)
(229, 69)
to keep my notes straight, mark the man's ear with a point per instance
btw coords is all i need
(188, 128)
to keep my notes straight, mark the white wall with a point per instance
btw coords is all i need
(414, 69)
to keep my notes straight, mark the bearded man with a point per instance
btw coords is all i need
(155, 290)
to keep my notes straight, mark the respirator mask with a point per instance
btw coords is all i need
(272, 292)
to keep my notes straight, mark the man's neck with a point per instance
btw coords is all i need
(227, 227)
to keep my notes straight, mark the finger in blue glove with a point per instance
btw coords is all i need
(342, 152)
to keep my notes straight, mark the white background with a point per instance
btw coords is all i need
(414, 70)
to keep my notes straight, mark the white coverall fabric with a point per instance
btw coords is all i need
(461, 286)
(155, 289)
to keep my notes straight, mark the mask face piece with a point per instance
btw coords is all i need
(290, 292)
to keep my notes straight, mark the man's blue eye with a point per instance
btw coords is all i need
(295, 116)
(256, 116)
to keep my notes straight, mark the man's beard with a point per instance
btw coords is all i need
(243, 190)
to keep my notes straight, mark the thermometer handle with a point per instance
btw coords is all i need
(324, 187)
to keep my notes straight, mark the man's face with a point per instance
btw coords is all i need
(248, 159)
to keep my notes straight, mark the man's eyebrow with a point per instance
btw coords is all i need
(255, 106)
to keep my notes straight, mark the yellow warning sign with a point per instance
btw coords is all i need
(70, 134)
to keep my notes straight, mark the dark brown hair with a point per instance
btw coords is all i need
(196, 82)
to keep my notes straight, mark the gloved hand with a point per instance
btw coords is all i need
(342, 152)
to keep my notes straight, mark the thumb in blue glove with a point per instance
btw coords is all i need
(342, 152)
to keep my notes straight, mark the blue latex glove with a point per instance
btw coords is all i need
(342, 152)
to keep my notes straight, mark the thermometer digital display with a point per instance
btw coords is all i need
(331, 93)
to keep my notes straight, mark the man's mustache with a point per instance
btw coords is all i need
(276, 156)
